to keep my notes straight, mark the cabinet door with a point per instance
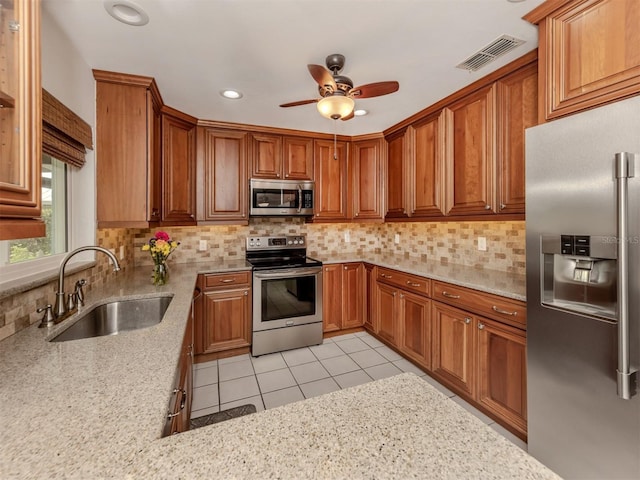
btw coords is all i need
(502, 384)
(387, 312)
(266, 156)
(20, 121)
(366, 173)
(298, 158)
(427, 168)
(178, 167)
(370, 298)
(226, 320)
(453, 344)
(471, 161)
(154, 160)
(352, 293)
(397, 154)
(415, 328)
(331, 180)
(517, 110)
(222, 176)
(592, 54)
(332, 297)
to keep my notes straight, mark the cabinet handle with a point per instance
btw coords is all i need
(448, 295)
(286, 176)
(345, 268)
(502, 206)
(228, 280)
(394, 294)
(278, 175)
(246, 292)
(412, 284)
(183, 402)
(467, 320)
(384, 275)
(503, 312)
(357, 214)
(481, 326)
(402, 295)
(487, 207)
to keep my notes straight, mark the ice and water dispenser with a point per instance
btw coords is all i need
(579, 274)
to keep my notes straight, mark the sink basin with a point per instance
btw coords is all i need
(115, 317)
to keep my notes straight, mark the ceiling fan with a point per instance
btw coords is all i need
(338, 92)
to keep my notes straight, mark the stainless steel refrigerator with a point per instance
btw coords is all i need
(583, 292)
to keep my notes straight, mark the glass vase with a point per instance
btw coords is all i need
(160, 273)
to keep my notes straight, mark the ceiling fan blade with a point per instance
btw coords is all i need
(374, 89)
(348, 117)
(301, 102)
(322, 76)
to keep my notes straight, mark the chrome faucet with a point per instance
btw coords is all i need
(61, 310)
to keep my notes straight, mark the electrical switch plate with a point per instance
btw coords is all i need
(347, 236)
(482, 244)
(396, 239)
(202, 246)
(121, 252)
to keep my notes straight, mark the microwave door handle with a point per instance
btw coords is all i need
(299, 198)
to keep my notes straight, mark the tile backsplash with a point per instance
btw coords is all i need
(447, 242)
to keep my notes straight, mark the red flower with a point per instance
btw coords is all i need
(162, 236)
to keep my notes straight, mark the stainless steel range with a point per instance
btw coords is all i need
(287, 294)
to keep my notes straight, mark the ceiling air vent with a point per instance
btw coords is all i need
(489, 53)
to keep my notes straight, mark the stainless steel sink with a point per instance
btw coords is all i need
(117, 316)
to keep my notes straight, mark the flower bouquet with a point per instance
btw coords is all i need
(160, 247)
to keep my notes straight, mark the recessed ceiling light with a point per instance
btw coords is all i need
(127, 12)
(515, 1)
(360, 112)
(232, 94)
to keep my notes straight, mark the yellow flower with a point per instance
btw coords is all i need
(174, 244)
(145, 247)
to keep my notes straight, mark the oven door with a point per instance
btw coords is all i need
(287, 297)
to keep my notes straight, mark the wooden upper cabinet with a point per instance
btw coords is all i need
(589, 53)
(517, 110)
(275, 157)
(128, 153)
(471, 163)
(397, 154)
(20, 121)
(366, 179)
(222, 176)
(178, 166)
(331, 180)
(426, 173)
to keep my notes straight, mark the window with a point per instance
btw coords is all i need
(54, 213)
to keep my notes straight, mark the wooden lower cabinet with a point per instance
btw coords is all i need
(415, 328)
(342, 293)
(386, 312)
(454, 347)
(370, 297)
(223, 313)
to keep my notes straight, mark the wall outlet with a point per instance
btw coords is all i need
(396, 239)
(121, 252)
(202, 246)
(482, 244)
(347, 236)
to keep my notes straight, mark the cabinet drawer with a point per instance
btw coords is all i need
(213, 280)
(499, 308)
(406, 281)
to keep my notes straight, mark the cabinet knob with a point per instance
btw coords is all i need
(246, 292)
(345, 268)
(286, 176)
(357, 214)
(467, 320)
(502, 206)
(278, 175)
(481, 326)
(402, 295)
(487, 207)
(394, 294)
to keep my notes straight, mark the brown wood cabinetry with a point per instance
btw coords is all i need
(222, 176)
(223, 312)
(331, 170)
(178, 168)
(276, 157)
(589, 53)
(415, 328)
(386, 298)
(371, 271)
(342, 292)
(517, 110)
(20, 121)
(366, 179)
(398, 151)
(128, 154)
(471, 163)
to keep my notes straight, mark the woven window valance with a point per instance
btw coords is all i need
(65, 135)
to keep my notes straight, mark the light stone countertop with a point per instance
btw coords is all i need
(95, 408)
(509, 285)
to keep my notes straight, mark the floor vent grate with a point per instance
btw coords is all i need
(489, 53)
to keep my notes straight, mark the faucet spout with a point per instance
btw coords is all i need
(60, 308)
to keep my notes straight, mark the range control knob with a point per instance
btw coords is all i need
(295, 242)
(289, 242)
(301, 242)
(251, 244)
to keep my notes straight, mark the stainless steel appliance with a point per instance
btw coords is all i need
(280, 197)
(287, 294)
(583, 292)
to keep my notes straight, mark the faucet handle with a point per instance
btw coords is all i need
(71, 302)
(79, 293)
(48, 320)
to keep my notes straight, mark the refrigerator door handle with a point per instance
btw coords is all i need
(626, 379)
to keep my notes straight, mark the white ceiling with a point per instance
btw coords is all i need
(195, 48)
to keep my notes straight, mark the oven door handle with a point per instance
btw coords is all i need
(288, 273)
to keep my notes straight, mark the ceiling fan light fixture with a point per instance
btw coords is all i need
(336, 106)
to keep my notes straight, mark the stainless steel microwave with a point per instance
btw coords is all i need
(280, 197)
